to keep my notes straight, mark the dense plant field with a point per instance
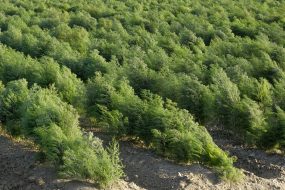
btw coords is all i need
(156, 70)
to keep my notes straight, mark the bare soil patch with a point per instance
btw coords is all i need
(19, 169)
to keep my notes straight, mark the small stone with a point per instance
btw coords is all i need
(32, 178)
(127, 178)
(252, 155)
(29, 186)
(18, 172)
(40, 181)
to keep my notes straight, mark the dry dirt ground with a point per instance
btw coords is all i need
(19, 169)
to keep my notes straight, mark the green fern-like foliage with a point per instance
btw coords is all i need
(54, 126)
(171, 131)
(121, 62)
(12, 98)
(86, 158)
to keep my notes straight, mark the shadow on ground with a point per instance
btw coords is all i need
(152, 172)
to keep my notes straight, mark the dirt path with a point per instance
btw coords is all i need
(145, 170)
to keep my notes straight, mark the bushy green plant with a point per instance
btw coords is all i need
(274, 138)
(53, 142)
(264, 93)
(197, 147)
(14, 66)
(12, 98)
(113, 121)
(2, 87)
(278, 93)
(169, 130)
(44, 108)
(88, 159)
(53, 124)
(250, 121)
(226, 94)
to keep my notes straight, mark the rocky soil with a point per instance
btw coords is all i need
(19, 169)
